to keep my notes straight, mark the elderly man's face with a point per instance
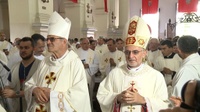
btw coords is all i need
(134, 55)
(54, 43)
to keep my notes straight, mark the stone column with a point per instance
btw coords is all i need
(29, 16)
(81, 16)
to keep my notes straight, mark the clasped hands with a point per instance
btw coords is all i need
(131, 96)
(41, 94)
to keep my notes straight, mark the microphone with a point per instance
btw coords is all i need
(4, 66)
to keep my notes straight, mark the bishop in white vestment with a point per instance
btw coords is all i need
(135, 86)
(60, 83)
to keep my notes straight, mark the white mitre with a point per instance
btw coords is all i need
(59, 26)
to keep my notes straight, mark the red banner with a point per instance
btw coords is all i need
(75, 1)
(187, 5)
(105, 6)
(149, 6)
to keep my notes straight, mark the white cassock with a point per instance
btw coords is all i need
(101, 49)
(92, 59)
(149, 83)
(5, 45)
(15, 84)
(152, 55)
(40, 57)
(104, 65)
(189, 70)
(67, 79)
(13, 58)
(3, 57)
(2, 109)
(172, 63)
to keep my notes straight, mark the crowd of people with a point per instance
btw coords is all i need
(137, 73)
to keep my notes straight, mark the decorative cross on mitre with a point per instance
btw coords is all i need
(136, 32)
(50, 78)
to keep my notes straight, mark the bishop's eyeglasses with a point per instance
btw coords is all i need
(135, 52)
(52, 39)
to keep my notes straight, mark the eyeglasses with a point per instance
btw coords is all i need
(52, 39)
(135, 52)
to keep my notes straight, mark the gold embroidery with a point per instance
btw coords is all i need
(60, 103)
(131, 108)
(132, 28)
(120, 59)
(41, 108)
(50, 78)
(130, 40)
(106, 60)
(141, 41)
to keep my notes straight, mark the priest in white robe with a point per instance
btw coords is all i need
(4, 45)
(101, 47)
(112, 58)
(168, 63)
(60, 83)
(20, 73)
(90, 61)
(187, 50)
(135, 86)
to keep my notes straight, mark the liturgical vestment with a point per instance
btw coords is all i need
(149, 83)
(16, 85)
(67, 80)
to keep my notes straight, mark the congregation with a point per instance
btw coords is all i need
(135, 73)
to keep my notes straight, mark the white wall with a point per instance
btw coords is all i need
(167, 11)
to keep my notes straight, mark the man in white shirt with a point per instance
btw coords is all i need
(187, 50)
(90, 62)
(112, 58)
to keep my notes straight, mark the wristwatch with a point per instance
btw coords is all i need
(17, 93)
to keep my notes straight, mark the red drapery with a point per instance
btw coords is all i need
(187, 5)
(75, 1)
(149, 6)
(105, 6)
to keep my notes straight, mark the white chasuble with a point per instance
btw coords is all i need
(15, 84)
(117, 56)
(148, 82)
(67, 80)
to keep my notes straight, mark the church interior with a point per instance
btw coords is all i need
(100, 18)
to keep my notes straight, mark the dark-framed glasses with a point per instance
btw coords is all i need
(52, 39)
(135, 52)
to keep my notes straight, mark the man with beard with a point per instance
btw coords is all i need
(20, 73)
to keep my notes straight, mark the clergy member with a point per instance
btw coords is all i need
(60, 83)
(20, 73)
(111, 58)
(135, 86)
(187, 50)
(39, 46)
(90, 61)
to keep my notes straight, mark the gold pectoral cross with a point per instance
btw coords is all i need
(50, 78)
(131, 108)
(41, 108)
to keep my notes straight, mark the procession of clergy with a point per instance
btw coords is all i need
(137, 73)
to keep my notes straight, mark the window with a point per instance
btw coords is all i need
(191, 28)
(153, 21)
